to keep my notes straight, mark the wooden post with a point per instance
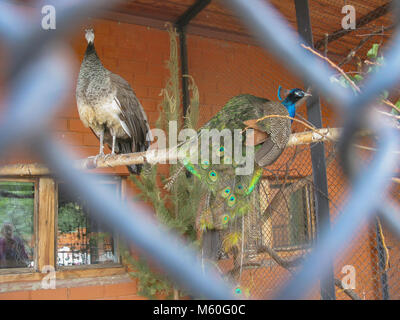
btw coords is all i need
(46, 222)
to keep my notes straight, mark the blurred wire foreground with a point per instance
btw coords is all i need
(38, 79)
(33, 97)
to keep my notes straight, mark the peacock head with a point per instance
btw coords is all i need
(89, 35)
(294, 96)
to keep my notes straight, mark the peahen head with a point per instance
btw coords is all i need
(89, 35)
(292, 98)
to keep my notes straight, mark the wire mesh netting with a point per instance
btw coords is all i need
(280, 231)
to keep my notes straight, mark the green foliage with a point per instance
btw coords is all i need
(70, 217)
(177, 207)
(150, 283)
(18, 210)
(373, 52)
(373, 65)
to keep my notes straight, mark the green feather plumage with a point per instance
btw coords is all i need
(228, 192)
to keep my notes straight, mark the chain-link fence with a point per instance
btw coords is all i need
(281, 239)
(281, 231)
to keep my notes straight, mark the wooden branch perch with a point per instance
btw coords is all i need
(152, 156)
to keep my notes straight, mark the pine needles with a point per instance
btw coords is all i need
(177, 207)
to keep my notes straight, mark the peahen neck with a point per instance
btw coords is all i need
(91, 58)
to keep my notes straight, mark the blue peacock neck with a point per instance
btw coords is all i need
(290, 106)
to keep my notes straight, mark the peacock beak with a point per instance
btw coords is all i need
(307, 94)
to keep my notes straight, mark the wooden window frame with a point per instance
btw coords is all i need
(106, 179)
(35, 181)
(310, 217)
(45, 236)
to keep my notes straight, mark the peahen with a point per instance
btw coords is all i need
(227, 195)
(109, 107)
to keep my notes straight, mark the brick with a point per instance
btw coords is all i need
(107, 51)
(158, 56)
(70, 138)
(110, 63)
(132, 297)
(157, 39)
(90, 139)
(152, 116)
(157, 70)
(127, 40)
(150, 104)
(85, 151)
(70, 110)
(60, 124)
(86, 293)
(141, 91)
(150, 81)
(76, 125)
(135, 54)
(135, 67)
(104, 40)
(121, 289)
(16, 295)
(154, 93)
(101, 27)
(51, 294)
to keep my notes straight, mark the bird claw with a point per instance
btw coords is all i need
(109, 155)
(96, 157)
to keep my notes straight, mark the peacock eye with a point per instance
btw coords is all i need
(226, 192)
(213, 176)
(205, 164)
(231, 201)
(220, 151)
(225, 219)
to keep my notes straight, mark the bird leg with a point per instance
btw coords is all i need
(114, 138)
(101, 151)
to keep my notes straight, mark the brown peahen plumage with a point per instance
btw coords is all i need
(109, 107)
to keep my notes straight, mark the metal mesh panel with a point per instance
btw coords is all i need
(281, 230)
(276, 242)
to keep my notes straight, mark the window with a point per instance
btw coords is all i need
(80, 239)
(289, 216)
(17, 241)
(43, 225)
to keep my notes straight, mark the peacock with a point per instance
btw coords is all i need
(227, 184)
(109, 107)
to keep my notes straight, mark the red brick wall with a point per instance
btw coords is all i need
(120, 291)
(221, 70)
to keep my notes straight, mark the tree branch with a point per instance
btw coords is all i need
(152, 156)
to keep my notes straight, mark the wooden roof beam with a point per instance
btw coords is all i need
(364, 20)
